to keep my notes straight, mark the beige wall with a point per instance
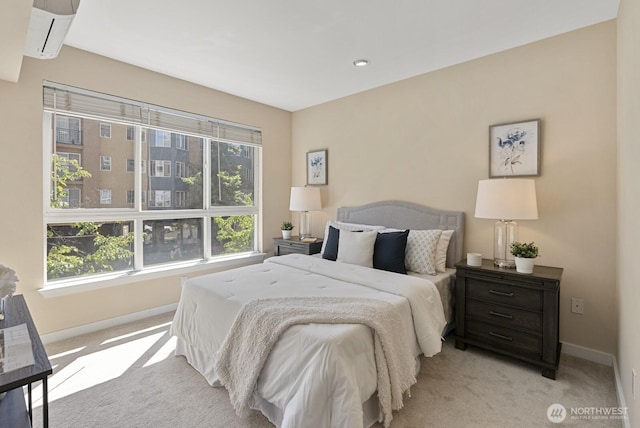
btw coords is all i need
(629, 200)
(21, 177)
(425, 140)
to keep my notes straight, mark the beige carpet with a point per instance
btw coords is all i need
(128, 377)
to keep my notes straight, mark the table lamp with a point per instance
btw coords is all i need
(506, 200)
(305, 199)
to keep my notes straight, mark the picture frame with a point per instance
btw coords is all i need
(317, 162)
(514, 149)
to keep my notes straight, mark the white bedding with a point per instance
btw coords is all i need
(316, 374)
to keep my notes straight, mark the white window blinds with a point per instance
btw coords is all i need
(64, 99)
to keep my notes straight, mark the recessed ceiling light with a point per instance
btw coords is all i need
(361, 62)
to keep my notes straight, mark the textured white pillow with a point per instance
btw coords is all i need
(356, 248)
(441, 250)
(345, 226)
(420, 256)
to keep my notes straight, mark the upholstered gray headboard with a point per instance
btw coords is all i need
(407, 215)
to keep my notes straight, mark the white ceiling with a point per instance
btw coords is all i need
(294, 54)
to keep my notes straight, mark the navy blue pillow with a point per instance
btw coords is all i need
(331, 246)
(389, 251)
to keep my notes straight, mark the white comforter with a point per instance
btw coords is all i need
(318, 374)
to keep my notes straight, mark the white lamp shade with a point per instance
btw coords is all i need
(305, 199)
(507, 199)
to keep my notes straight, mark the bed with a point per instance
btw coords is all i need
(324, 373)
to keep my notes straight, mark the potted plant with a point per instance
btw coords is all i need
(525, 254)
(286, 228)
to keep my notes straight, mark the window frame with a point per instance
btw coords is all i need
(105, 163)
(181, 169)
(154, 165)
(180, 198)
(139, 212)
(107, 126)
(106, 195)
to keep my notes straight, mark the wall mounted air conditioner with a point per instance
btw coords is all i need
(48, 26)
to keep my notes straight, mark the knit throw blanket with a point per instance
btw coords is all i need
(259, 324)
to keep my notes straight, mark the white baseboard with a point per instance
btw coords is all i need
(626, 423)
(588, 354)
(101, 325)
(605, 359)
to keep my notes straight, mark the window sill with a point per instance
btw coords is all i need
(63, 288)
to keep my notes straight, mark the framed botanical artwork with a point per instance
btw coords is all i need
(514, 149)
(317, 167)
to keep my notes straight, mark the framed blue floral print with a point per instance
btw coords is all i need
(514, 149)
(317, 167)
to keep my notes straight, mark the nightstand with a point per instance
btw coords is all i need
(296, 246)
(510, 313)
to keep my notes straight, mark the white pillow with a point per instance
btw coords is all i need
(441, 250)
(356, 248)
(345, 226)
(420, 256)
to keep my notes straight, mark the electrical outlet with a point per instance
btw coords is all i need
(577, 305)
(633, 383)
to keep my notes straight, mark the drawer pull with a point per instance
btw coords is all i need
(501, 293)
(499, 336)
(498, 314)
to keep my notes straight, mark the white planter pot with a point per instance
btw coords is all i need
(524, 265)
(286, 234)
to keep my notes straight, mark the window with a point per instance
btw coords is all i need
(105, 130)
(191, 214)
(181, 169)
(227, 162)
(70, 160)
(160, 198)
(68, 130)
(160, 138)
(181, 141)
(160, 168)
(105, 163)
(181, 199)
(71, 198)
(105, 196)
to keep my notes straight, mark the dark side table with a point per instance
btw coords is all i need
(511, 313)
(296, 246)
(13, 411)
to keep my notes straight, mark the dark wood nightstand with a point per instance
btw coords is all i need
(296, 246)
(510, 313)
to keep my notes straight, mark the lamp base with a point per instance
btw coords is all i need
(505, 232)
(505, 264)
(305, 225)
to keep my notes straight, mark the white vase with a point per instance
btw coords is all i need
(524, 265)
(286, 234)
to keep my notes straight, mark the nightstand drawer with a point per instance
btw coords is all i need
(505, 294)
(294, 246)
(504, 315)
(505, 338)
(290, 249)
